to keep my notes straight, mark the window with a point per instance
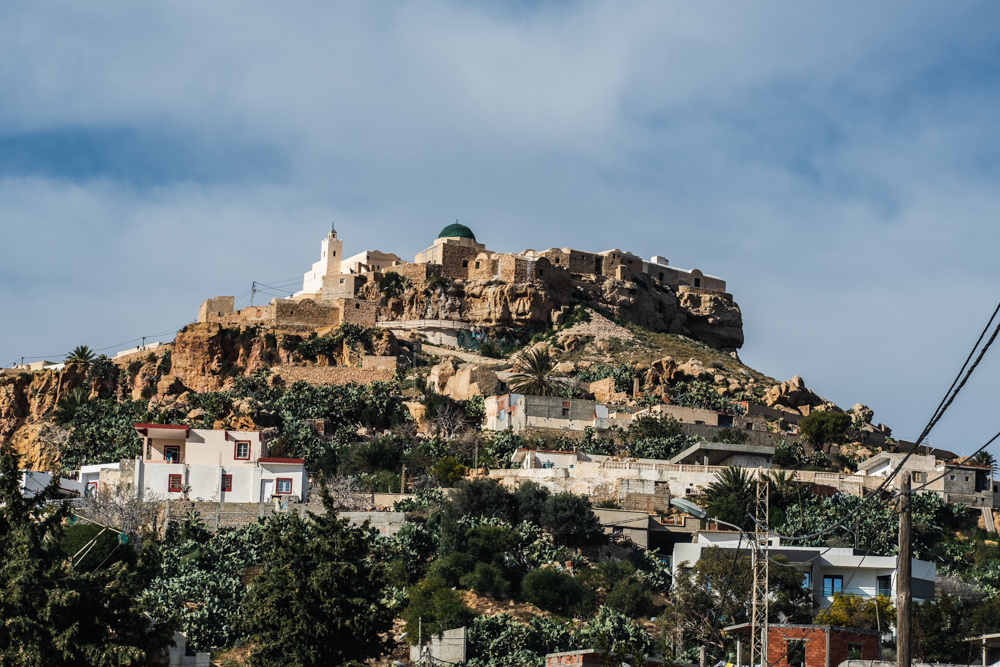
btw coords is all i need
(796, 650)
(242, 450)
(283, 485)
(341, 281)
(477, 265)
(541, 273)
(174, 484)
(883, 585)
(565, 412)
(832, 584)
(465, 263)
(227, 482)
(918, 477)
(952, 477)
(172, 453)
(661, 275)
(807, 580)
(697, 282)
(854, 651)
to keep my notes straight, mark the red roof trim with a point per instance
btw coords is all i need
(176, 427)
(274, 460)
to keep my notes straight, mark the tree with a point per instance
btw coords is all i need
(551, 589)
(824, 428)
(853, 611)
(320, 597)
(119, 505)
(81, 354)
(55, 616)
(984, 458)
(393, 284)
(68, 405)
(729, 496)
(534, 374)
(570, 520)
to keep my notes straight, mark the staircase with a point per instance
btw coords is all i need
(988, 519)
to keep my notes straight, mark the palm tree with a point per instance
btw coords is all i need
(535, 376)
(81, 354)
(68, 405)
(729, 496)
(984, 458)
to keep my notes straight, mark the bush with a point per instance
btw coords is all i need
(436, 607)
(447, 471)
(552, 590)
(490, 349)
(486, 579)
(732, 436)
(570, 520)
(826, 428)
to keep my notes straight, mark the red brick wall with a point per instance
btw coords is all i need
(777, 647)
(839, 639)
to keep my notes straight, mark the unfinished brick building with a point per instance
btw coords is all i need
(815, 645)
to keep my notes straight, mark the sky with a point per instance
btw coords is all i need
(837, 165)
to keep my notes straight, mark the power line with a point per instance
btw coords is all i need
(956, 387)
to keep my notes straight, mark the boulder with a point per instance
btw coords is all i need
(472, 380)
(170, 384)
(566, 367)
(439, 375)
(793, 395)
(863, 411)
(694, 369)
(195, 414)
(419, 413)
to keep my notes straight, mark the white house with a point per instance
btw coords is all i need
(90, 476)
(827, 571)
(221, 466)
(34, 482)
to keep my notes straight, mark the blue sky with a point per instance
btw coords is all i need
(837, 165)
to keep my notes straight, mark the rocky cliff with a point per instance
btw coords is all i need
(712, 318)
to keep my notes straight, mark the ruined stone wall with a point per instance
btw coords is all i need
(457, 259)
(326, 375)
(305, 313)
(250, 316)
(215, 307)
(513, 269)
(341, 286)
(359, 311)
(483, 267)
(417, 274)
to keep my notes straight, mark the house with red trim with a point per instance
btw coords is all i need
(178, 462)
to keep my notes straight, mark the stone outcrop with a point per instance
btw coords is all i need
(711, 317)
(29, 397)
(37, 444)
(462, 381)
(793, 395)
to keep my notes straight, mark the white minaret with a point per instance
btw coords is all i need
(331, 252)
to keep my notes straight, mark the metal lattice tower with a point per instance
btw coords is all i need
(758, 616)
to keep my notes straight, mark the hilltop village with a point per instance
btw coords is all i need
(546, 458)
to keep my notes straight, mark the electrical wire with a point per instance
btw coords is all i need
(956, 387)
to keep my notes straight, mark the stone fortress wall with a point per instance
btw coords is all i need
(338, 295)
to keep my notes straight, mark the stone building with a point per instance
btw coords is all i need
(956, 482)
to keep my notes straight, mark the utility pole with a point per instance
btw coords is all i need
(758, 615)
(904, 566)
(253, 290)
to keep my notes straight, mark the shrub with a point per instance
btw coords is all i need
(732, 436)
(491, 349)
(551, 589)
(393, 284)
(436, 607)
(825, 428)
(486, 579)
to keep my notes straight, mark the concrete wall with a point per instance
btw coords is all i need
(206, 481)
(448, 646)
(231, 514)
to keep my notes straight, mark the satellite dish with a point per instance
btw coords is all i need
(688, 507)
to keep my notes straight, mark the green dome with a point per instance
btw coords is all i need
(456, 230)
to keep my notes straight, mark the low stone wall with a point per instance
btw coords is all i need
(226, 515)
(709, 433)
(373, 362)
(325, 375)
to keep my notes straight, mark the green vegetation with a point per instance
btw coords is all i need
(393, 285)
(535, 376)
(826, 428)
(81, 354)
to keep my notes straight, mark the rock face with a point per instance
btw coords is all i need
(462, 382)
(794, 396)
(30, 396)
(38, 445)
(710, 317)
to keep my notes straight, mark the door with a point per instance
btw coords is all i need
(266, 489)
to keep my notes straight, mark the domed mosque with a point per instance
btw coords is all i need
(455, 243)
(456, 231)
